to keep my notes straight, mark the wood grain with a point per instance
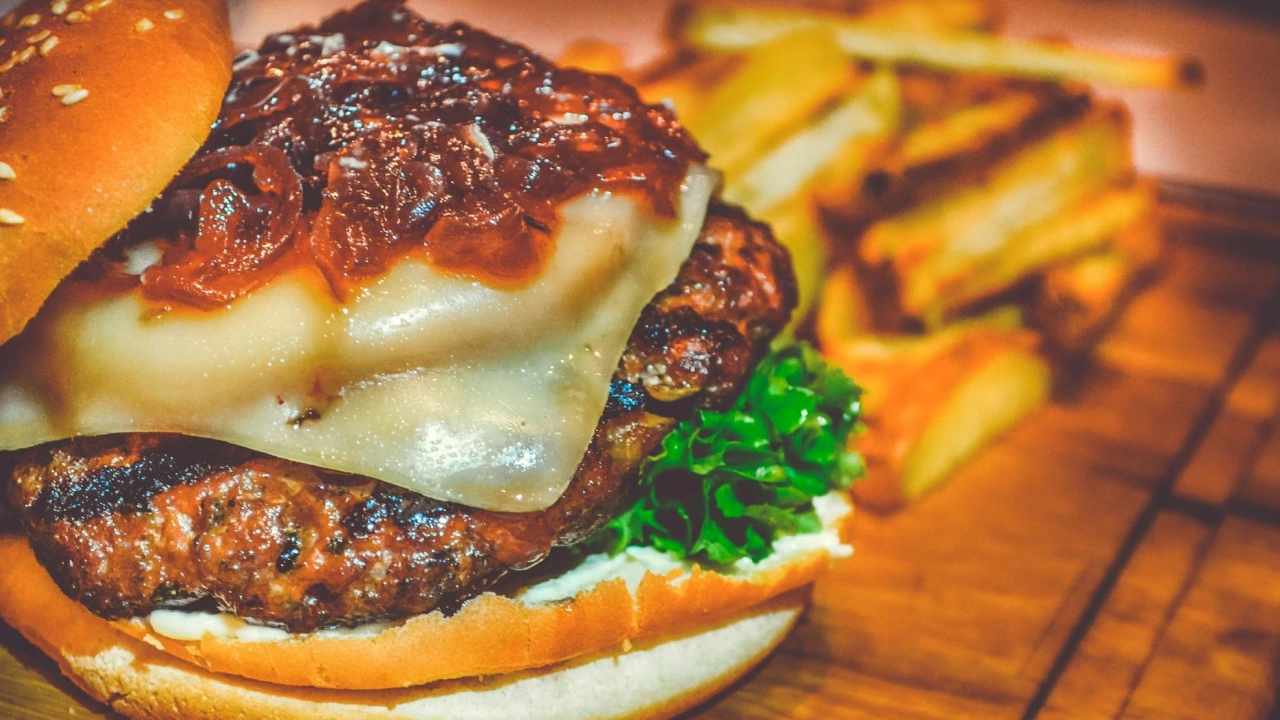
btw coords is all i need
(1262, 485)
(963, 602)
(1220, 653)
(1110, 661)
(964, 605)
(1236, 437)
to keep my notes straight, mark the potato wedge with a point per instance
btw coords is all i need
(683, 83)
(1078, 301)
(936, 16)
(915, 16)
(970, 128)
(797, 226)
(842, 313)
(778, 87)
(1085, 226)
(932, 402)
(733, 27)
(832, 149)
(596, 56)
(935, 248)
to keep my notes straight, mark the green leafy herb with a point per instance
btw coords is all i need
(725, 485)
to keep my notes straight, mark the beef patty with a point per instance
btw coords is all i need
(130, 523)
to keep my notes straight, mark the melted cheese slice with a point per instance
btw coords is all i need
(430, 382)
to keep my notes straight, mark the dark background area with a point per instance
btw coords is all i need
(1262, 9)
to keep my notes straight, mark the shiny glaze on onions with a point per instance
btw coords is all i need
(377, 135)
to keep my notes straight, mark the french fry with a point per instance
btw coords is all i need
(934, 248)
(684, 83)
(970, 128)
(733, 27)
(1080, 228)
(932, 402)
(841, 314)
(596, 56)
(797, 226)
(834, 149)
(777, 88)
(916, 16)
(943, 155)
(928, 94)
(932, 15)
(1078, 301)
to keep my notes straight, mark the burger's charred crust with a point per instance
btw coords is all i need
(702, 335)
(92, 483)
(128, 524)
(272, 540)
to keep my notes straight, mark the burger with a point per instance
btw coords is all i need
(388, 370)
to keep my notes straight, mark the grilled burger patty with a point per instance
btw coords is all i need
(131, 523)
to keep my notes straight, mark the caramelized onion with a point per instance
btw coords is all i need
(238, 231)
(378, 135)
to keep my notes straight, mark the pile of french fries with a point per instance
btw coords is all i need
(963, 214)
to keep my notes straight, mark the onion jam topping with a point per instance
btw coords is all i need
(379, 134)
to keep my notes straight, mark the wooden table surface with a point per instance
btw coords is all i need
(1116, 556)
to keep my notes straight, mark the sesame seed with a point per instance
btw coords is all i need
(95, 5)
(144, 25)
(75, 16)
(6, 172)
(58, 7)
(39, 36)
(9, 217)
(175, 14)
(64, 89)
(29, 21)
(4, 114)
(75, 96)
(48, 45)
(17, 58)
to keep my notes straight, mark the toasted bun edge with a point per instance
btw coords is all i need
(652, 680)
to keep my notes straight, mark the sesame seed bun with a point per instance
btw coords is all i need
(103, 103)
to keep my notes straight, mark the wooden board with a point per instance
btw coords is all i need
(1105, 559)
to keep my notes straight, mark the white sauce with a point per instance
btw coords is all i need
(634, 563)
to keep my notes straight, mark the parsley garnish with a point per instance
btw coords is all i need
(725, 485)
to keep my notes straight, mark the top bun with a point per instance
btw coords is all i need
(102, 103)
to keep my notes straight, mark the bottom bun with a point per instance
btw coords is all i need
(657, 680)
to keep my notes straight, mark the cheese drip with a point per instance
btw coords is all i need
(431, 382)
